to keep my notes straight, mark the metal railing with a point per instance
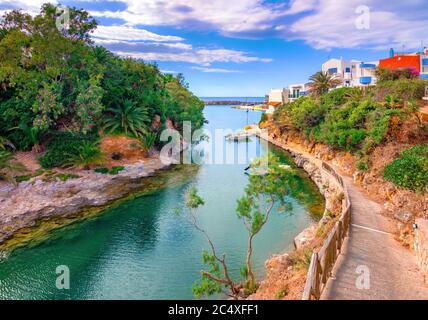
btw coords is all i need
(322, 262)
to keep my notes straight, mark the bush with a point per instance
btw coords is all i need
(88, 153)
(63, 146)
(113, 171)
(362, 165)
(263, 118)
(116, 170)
(101, 170)
(305, 114)
(404, 89)
(410, 171)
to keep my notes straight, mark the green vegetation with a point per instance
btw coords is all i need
(263, 194)
(66, 176)
(321, 82)
(391, 75)
(116, 170)
(359, 120)
(410, 171)
(102, 170)
(28, 177)
(86, 154)
(113, 171)
(148, 141)
(58, 82)
(127, 118)
(263, 118)
(7, 164)
(66, 146)
(349, 118)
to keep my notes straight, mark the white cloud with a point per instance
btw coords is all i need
(225, 16)
(27, 5)
(126, 33)
(323, 24)
(204, 57)
(333, 25)
(215, 70)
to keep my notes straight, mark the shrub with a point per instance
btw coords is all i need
(362, 165)
(148, 141)
(101, 170)
(63, 146)
(23, 178)
(405, 89)
(410, 171)
(263, 118)
(306, 114)
(86, 154)
(113, 171)
(116, 170)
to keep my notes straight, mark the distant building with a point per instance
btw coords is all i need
(277, 97)
(417, 61)
(296, 91)
(352, 73)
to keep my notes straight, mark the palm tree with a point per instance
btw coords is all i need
(321, 82)
(127, 118)
(7, 165)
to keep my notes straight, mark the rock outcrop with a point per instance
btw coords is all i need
(24, 204)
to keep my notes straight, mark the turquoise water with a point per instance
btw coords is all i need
(142, 249)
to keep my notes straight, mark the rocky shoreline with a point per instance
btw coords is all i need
(30, 201)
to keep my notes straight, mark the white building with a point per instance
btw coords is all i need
(278, 95)
(353, 73)
(296, 91)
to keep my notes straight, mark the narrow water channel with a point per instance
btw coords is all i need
(141, 249)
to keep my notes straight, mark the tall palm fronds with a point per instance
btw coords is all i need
(321, 82)
(127, 118)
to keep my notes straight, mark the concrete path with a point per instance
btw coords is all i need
(373, 259)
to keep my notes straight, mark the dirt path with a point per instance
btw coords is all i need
(371, 248)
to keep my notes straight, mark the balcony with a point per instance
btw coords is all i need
(367, 66)
(366, 80)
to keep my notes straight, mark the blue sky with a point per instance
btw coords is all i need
(247, 47)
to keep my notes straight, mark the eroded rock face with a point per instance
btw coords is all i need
(23, 205)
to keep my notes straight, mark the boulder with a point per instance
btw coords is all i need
(305, 237)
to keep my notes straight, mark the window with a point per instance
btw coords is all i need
(348, 70)
(332, 70)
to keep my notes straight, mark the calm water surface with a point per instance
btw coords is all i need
(141, 249)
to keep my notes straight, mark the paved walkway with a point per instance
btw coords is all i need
(392, 269)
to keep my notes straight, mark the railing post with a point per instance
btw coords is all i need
(311, 285)
(340, 235)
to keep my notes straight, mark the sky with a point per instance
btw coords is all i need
(246, 47)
